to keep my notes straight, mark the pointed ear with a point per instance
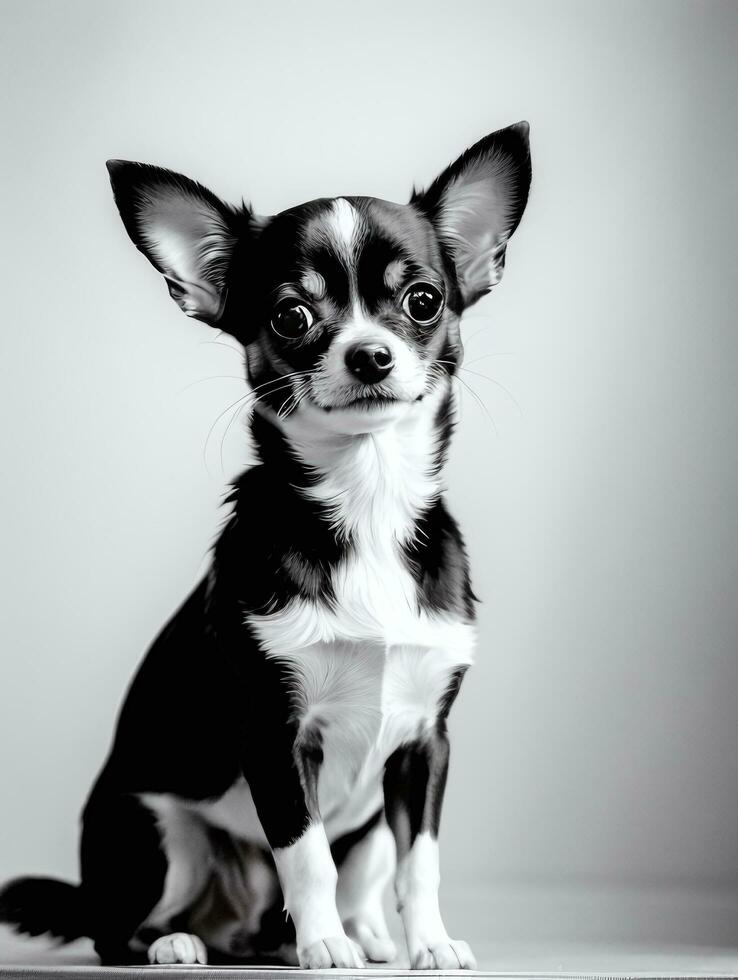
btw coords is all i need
(476, 205)
(183, 229)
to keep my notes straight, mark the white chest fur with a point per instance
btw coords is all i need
(370, 680)
(366, 699)
(369, 667)
(373, 488)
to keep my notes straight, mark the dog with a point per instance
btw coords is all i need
(283, 746)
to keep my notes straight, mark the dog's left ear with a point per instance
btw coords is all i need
(182, 228)
(477, 203)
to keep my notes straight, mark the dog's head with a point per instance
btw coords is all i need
(348, 307)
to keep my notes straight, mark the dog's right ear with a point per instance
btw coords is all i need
(183, 229)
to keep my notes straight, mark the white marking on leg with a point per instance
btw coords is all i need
(416, 885)
(308, 877)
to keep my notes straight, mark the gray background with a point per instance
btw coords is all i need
(595, 744)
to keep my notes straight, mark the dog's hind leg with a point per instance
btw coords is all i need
(124, 872)
(187, 846)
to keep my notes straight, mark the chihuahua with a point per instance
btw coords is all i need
(283, 746)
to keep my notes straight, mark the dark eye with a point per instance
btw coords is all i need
(291, 320)
(423, 302)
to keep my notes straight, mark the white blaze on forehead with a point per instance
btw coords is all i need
(313, 283)
(343, 226)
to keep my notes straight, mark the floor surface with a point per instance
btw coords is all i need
(514, 932)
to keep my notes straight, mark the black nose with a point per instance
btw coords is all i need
(369, 362)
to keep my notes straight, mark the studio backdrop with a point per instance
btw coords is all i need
(594, 471)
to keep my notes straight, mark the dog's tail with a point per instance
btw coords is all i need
(37, 905)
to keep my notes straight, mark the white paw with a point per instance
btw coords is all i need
(179, 947)
(337, 951)
(373, 939)
(446, 954)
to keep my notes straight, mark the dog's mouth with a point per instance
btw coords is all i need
(365, 403)
(378, 398)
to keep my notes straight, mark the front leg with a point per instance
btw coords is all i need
(308, 877)
(415, 779)
(282, 772)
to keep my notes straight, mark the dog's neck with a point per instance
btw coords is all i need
(371, 486)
